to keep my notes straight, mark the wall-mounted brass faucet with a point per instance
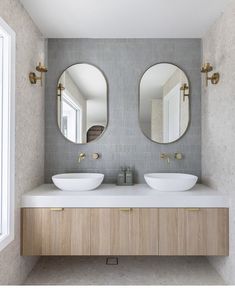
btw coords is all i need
(81, 157)
(168, 157)
(164, 156)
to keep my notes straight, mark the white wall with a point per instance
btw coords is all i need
(96, 112)
(29, 130)
(218, 125)
(157, 120)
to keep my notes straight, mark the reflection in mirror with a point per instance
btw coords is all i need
(164, 103)
(82, 103)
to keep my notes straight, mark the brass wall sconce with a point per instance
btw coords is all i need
(33, 78)
(185, 88)
(60, 88)
(207, 67)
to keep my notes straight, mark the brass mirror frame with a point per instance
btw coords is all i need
(107, 103)
(189, 96)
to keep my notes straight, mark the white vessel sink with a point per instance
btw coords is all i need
(171, 182)
(78, 182)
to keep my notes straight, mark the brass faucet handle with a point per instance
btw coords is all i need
(178, 156)
(95, 156)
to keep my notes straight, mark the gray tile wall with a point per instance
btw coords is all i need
(123, 61)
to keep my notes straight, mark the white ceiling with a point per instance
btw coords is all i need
(124, 18)
(154, 79)
(89, 80)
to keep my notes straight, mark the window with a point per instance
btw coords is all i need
(7, 132)
(71, 119)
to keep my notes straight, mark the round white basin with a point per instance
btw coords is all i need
(171, 182)
(78, 182)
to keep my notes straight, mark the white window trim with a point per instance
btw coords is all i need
(9, 134)
(69, 99)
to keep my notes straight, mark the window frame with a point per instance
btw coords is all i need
(8, 134)
(68, 99)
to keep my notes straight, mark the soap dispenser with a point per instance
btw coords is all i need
(129, 177)
(121, 177)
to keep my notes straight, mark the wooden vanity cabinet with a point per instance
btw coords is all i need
(55, 231)
(193, 232)
(106, 231)
(89, 231)
(124, 231)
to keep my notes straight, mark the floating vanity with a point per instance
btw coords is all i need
(135, 220)
(117, 221)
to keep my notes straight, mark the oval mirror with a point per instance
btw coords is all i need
(164, 103)
(82, 105)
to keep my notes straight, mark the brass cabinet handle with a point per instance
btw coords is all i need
(125, 210)
(194, 209)
(57, 209)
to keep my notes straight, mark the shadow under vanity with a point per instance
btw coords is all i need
(172, 216)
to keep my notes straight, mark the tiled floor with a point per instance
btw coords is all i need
(129, 271)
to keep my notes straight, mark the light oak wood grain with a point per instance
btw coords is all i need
(173, 232)
(54, 232)
(31, 232)
(80, 232)
(120, 231)
(101, 231)
(124, 231)
(187, 232)
(144, 232)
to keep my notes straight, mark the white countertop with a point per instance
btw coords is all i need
(112, 196)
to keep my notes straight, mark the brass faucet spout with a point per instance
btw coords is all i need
(81, 157)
